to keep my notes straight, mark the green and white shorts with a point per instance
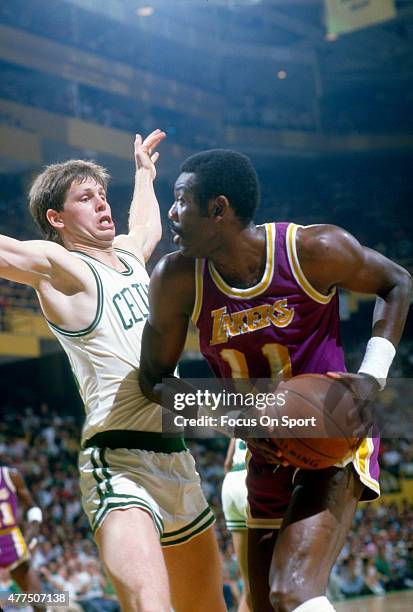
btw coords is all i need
(166, 485)
(234, 500)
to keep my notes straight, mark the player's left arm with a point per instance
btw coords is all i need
(330, 256)
(145, 229)
(34, 513)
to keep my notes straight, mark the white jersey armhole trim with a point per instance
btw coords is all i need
(8, 480)
(138, 259)
(199, 288)
(299, 275)
(98, 313)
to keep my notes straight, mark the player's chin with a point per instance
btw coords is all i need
(107, 233)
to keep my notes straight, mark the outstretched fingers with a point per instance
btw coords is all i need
(152, 140)
(145, 155)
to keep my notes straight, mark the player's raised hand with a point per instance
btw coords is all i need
(145, 151)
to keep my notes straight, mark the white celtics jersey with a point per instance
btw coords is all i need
(238, 460)
(105, 356)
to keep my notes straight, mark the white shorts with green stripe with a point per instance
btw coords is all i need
(166, 485)
(234, 500)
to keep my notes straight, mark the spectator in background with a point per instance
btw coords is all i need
(372, 577)
(59, 578)
(352, 582)
(91, 593)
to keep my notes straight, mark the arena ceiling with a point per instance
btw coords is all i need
(247, 43)
(287, 30)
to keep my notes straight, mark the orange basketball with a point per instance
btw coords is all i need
(315, 420)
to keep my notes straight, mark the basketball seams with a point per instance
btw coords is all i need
(323, 413)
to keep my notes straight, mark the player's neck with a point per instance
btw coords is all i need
(242, 258)
(104, 253)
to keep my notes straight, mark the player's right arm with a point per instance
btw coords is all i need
(32, 262)
(64, 283)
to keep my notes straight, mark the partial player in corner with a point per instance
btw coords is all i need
(14, 552)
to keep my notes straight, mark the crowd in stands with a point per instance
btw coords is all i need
(378, 554)
(43, 445)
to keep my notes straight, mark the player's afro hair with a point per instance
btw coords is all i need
(228, 173)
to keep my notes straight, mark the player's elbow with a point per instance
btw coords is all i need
(146, 383)
(404, 282)
(397, 284)
(408, 280)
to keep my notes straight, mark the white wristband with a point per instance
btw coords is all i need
(378, 358)
(34, 514)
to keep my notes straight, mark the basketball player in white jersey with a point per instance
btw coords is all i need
(140, 491)
(235, 506)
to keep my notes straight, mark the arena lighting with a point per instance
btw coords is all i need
(282, 74)
(145, 11)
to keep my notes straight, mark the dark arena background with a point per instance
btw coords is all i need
(319, 95)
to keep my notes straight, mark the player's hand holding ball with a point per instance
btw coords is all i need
(364, 390)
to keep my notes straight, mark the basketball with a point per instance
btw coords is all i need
(315, 421)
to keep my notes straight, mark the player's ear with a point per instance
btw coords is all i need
(54, 218)
(218, 206)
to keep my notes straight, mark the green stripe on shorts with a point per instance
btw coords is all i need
(132, 502)
(95, 474)
(105, 469)
(169, 534)
(189, 536)
(236, 525)
(105, 506)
